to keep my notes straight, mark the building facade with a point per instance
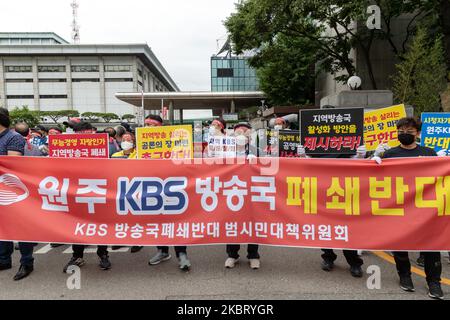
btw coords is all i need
(45, 73)
(232, 73)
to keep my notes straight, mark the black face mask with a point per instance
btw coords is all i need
(406, 139)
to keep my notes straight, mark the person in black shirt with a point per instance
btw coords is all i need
(328, 256)
(408, 133)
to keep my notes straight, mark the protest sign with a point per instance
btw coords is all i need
(436, 131)
(380, 126)
(332, 131)
(286, 141)
(79, 145)
(171, 142)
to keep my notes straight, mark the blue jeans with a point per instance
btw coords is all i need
(26, 250)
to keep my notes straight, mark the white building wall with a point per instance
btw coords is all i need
(53, 104)
(13, 103)
(86, 97)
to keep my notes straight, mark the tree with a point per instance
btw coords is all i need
(90, 115)
(421, 76)
(57, 115)
(128, 117)
(24, 114)
(330, 29)
(108, 117)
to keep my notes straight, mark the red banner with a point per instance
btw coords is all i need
(79, 146)
(403, 204)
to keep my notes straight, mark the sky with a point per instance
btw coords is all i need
(182, 33)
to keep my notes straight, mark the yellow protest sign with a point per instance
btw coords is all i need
(172, 142)
(380, 126)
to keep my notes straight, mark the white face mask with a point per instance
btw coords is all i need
(212, 131)
(126, 145)
(278, 127)
(241, 140)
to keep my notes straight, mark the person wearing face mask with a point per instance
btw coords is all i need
(281, 124)
(216, 148)
(408, 132)
(163, 254)
(128, 146)
(242, 133)
(78, 250)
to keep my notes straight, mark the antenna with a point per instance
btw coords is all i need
(75, 26)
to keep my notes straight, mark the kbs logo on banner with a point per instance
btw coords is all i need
(152, 196)
(12, 190)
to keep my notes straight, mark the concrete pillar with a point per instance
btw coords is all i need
(69, 88)
(37, 105)
(102, 85)
(232, 107)
(171, 113)
(181, 116)
(3, 100)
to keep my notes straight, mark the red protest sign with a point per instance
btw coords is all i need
(79, 146)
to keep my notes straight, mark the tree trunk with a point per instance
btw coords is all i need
(445, 23)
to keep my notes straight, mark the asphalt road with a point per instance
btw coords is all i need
(285, 273)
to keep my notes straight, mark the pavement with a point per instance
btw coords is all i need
(286, 273)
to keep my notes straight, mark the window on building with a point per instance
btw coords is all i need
(18, 80)
(116, 68)
(53, 96)
(87, 68)
(86, 80)
(52, 68)
(140, 72)
(19, 69)
(20, 96)
(225, 73)
(119, 80)
(52, 80)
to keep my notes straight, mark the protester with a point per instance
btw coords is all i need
(120, 131)
(281, 124)
(242, 133)
(30, 150)
(78, 250)
(13, 144)
(408, 132)
(54, 131)
(153, 121)
(352, 256)
(113, 145)
(128, 146)
(163, 251)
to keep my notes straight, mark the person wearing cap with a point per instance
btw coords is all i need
(163, 254)
(242, 133)
(78, 250)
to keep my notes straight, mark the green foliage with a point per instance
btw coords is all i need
(421, 76)
(316, 31)
(90, 115)
(24, 114)
(57, 115)
(128, 117)
(108, 117)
